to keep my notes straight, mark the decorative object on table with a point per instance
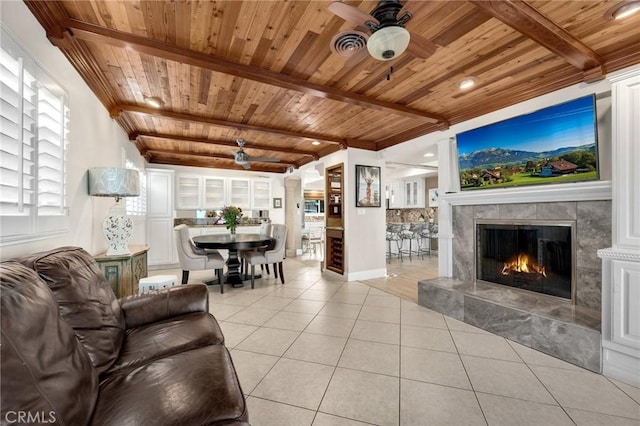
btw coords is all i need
(277, 203)
(231, 216)
(367, 186)
(117, 182)
(433, 197)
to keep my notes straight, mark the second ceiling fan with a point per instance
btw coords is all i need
(240, 157)
(389, 38)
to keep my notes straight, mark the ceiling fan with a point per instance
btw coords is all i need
(389, 38)
(241, 157)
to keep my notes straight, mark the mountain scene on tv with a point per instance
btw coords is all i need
(553, 145)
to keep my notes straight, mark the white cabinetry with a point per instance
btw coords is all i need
(240, 193)
(621, 262)
(396, 194)
(408, 193)
(188, 192)
(214, 192)
(414, 196)
(159, 227)
(260, 194)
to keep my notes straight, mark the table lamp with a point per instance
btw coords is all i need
(117, 227)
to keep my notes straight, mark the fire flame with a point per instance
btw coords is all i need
(524, 265)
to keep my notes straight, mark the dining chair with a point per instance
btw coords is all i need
(265, 229)
(193, 258)
(315, 238)
(274, 255)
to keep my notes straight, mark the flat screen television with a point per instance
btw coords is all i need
(557, 144)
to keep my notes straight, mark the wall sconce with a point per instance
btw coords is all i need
(117, 227)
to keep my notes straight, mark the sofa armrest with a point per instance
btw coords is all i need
(146, 308)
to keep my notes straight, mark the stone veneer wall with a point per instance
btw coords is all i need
(593, 232)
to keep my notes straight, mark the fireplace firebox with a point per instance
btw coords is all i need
(533, 255)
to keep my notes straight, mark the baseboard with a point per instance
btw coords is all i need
(620, 366)
(367, 275)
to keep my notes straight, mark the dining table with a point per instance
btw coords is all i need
(233, 243)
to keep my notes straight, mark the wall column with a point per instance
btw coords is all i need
(293, 208)
(621, 262)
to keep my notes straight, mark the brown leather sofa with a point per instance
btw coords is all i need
(73, 354)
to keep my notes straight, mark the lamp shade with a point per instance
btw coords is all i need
(388, 42)
(113, 182)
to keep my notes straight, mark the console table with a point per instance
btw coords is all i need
(125, 270)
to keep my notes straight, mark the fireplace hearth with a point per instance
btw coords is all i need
(532, 255)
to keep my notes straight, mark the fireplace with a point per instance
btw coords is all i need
(534, 255)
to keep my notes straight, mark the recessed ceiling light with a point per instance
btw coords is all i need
(315, 143)
(623, 10)
(154, 101)
(467, 83)
(429, 154)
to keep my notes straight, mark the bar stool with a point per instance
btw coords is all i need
(393, 234)
(408, 234)
(424, 240)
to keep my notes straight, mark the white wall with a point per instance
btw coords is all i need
(95, 139)
(365, 227)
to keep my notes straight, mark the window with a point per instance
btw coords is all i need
(34, 118)
(137, 206)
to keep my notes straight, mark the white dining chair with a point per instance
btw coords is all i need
(274, 256)
(192, 258)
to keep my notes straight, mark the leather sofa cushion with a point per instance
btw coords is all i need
(86, 300)
(43, 363)
(196, 387)
(160, 339)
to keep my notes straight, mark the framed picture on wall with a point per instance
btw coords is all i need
(367, 186)
(277, 203)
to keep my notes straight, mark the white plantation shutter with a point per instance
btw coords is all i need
(52, 137)
(137, 206)
(34, 122)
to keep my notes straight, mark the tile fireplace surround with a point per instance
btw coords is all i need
(548, 324)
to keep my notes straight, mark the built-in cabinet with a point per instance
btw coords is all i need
(240, 193)
(207, 192)
(160, 214)
(414, 193)
(261, 194)
(334, 186)
(406, 193)
(213, 192)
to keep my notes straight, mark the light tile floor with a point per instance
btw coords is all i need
(319, 351)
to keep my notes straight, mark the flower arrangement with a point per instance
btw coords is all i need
(231, 216)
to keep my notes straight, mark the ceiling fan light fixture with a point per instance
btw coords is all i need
(623, 10)
(154, 101)
(388, 43)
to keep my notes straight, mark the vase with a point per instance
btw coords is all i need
(232, 230)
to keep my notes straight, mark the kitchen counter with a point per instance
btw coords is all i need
(211, 221)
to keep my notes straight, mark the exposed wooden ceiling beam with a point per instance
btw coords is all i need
(134, 136)
(136, 109)
(527, 20)
(98, 34)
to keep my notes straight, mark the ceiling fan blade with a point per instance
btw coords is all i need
(246, 166)
(421, 47)
(264, 159)
(351, 13)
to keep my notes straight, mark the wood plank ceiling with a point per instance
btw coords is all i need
(263, 70)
